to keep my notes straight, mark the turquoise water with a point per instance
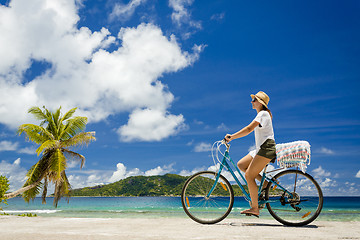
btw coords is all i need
(334, 209)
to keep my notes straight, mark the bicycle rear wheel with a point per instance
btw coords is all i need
(207, 209)
(299, 208)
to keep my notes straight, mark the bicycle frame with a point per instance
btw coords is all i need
(225, 164)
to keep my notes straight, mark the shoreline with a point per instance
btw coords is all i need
(13, 227)
(334, 209)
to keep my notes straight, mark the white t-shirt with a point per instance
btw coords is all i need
(264, 132)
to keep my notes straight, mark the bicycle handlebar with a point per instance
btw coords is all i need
(226, 143)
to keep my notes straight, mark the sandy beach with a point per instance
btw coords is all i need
(19, 228)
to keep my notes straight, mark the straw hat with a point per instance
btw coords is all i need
(262, 97)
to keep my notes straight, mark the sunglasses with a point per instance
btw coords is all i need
(253, 100)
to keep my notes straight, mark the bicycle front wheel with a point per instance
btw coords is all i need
(203, 207)
(297, 200)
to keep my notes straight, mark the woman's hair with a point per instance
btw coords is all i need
(268, 110)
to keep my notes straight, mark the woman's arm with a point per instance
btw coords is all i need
(243, 132)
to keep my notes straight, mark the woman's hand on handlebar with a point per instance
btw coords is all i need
(228, 138)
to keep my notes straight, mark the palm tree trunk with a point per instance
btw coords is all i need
(21, 190)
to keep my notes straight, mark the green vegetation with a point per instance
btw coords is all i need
(56, 134)
(166, 185)
(4, 187)
(27, 215)
(20, 215)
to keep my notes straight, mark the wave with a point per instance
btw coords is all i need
(44, 211)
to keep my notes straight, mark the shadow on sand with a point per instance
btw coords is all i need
(237, 224)
(268, 225)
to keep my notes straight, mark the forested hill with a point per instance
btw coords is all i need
(166, 185)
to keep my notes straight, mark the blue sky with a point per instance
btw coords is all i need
(160, 81)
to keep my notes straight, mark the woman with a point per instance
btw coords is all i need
(253, 163)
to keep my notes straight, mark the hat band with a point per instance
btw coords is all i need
(260, 99)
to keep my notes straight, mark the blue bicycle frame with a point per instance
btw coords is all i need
(225, 164)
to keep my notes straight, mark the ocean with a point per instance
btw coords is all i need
(334, 208)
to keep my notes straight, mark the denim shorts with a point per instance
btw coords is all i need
(268, 150)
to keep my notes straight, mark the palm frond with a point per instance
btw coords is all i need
(51, 127)
(43, 123)
(80, 139)
(37, 113)
(49, 144)
(75, 156)
(31, 193)
(57, 164)
(77, 124)
(57, 173)
(57, 191)
(56, 115)
(43, 197)
(35, 133)
(35, 174)
(73, 126)
(67, 185)
(57, 120)
(38, 170)
(68, 115)
(62, 187)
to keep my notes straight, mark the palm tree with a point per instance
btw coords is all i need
(56, 134)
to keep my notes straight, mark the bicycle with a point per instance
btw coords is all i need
(292, 197)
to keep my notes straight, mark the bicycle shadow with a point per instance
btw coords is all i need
(233, 224)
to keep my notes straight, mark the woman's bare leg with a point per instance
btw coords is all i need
(251, 174)
(244, 163)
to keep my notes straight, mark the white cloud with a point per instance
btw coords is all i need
(72, 163)
(125, 11)
(81, 178)
(350, 184)
(197, 122)
(150, 125)
(75, 181)
(327, 182)
(358, 174)
(100, 83)
(202, 147)
(27, 150)
(222, 127)
(225, 173)
(181, 15)
(191, 172)
(326, 151)
(218, 16)
(122, 172)
(320, 172)
(8, 146)
(160, 170)
(14, 146)
(14, 172)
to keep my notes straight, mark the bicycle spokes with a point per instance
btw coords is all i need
(297, 207)
(206, 198)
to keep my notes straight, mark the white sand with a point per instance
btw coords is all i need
(38, 228)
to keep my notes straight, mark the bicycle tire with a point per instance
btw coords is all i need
(203, 209)
(305, 204)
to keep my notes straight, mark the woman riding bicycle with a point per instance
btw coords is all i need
(254, 162)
